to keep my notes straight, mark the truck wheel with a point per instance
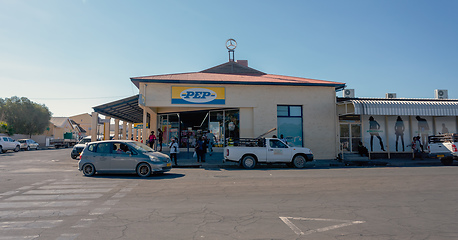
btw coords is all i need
(299, 161)
(447, 161)
(249, 162)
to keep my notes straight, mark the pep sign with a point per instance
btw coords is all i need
(198, 95)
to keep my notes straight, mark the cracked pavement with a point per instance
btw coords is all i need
(38, 201)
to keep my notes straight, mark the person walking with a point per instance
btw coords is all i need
(160, 136)
(174, 150)
(151, 140)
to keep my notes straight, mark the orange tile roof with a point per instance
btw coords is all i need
(255, 77)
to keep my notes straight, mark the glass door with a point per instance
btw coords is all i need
(350, 136)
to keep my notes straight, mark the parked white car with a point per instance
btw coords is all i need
(249, 152)
(444, 147)
(7, 143)
(28, 144)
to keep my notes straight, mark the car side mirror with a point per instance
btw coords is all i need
(129, 152)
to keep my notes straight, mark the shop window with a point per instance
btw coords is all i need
(289, 120)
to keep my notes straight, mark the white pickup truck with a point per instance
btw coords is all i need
(444, 147)
(251, 151)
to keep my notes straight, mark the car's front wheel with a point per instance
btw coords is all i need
(17, 148)
(88, 169)
(143, 170)
(28, 148)
(299, 161)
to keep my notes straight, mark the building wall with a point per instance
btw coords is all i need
(84, 120)
(258, 110)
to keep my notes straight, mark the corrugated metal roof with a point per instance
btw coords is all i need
(126, 109)
(406, 107)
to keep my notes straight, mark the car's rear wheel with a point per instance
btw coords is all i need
(17, 148)
(88, 169)
(447, 161)
(143, 170)
(1, 149)
(299, 161)
(249, 162)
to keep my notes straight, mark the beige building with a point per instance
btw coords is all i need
(58, 127)
(233, 101)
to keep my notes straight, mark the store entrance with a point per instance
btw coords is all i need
(193, 126)
(187, 127)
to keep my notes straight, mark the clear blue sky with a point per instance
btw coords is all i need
(58, 52)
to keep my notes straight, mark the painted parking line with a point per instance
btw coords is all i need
(44, 204)
(37, 213)
(68, 236)
(84, 223)
(66, 191)
(68, 186)
(342, 223)
(99, 211)
(54, 197)
(19, 237)
(29, 224)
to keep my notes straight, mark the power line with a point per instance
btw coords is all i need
(81, 98)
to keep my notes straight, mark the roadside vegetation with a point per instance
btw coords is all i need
(22, 116)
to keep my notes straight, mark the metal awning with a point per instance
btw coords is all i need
(126, 109)
(432, 107)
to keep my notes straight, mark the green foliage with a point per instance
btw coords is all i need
(24, 116)
(4, 128)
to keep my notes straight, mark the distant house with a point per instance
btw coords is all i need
(59, 126)
(78, 130)
(85, 122)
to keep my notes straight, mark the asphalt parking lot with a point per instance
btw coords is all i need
(44, 196)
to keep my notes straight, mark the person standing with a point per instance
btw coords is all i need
(174, 150)
(199, 149)
(211, 141)
(204, 148)
(417, 147)
(160, 136)
(151, 140)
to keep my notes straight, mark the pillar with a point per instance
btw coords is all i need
(129, 134)
(94, 125)
(106, 128)
(144, 130)
(124, 130)
(116, 130)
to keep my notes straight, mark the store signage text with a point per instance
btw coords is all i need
(198, 95)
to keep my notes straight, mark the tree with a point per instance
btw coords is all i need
(25, 116)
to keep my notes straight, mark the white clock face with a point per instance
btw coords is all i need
(231, 44)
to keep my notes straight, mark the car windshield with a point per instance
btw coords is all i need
(141, 147)
(21, 141)
(84, 140)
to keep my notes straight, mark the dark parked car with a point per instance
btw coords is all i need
(122, 156)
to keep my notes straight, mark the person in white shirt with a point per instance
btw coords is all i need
(174, 150)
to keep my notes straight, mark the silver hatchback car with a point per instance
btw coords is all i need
(122, 156)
